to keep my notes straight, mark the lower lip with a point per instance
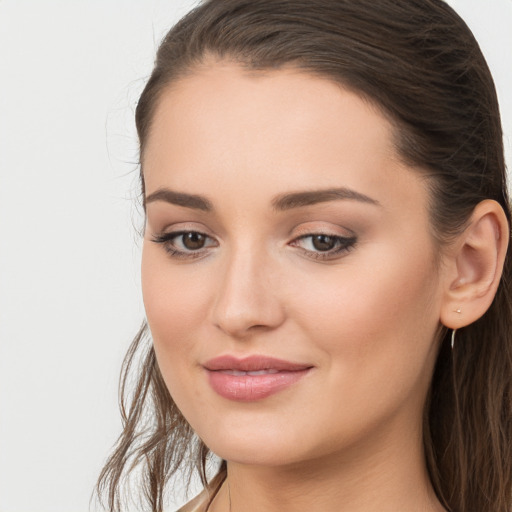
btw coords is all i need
(249, 388)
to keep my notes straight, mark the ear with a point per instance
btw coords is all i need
(474, 265)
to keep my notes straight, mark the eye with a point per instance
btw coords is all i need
(323, 242)
(322, 246)
(192, 240)
(185, 244)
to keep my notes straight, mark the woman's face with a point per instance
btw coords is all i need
(288, 269)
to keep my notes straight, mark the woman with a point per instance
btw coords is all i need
(325, 268)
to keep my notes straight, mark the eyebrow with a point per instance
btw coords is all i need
(307, 198)
(281, 203)
(180, 199)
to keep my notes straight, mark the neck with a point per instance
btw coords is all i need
(382, 477)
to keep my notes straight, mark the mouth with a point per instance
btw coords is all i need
(252, 378)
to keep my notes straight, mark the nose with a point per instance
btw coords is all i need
(247, 298)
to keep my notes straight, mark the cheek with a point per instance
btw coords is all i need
(175, 308)
(175, 303)
(375, 333)
(374, 310)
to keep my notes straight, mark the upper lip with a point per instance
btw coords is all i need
(253, 363)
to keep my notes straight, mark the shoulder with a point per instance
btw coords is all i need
(198, 504)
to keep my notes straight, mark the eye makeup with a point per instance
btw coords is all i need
(189, 244)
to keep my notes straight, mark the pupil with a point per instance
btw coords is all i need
(323, 242)
(193, 241)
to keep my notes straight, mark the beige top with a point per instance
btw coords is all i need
(202, 501)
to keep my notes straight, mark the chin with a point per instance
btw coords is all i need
(257, 446)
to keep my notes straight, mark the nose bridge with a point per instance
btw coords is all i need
(245, 298)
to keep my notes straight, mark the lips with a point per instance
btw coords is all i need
(252, 378)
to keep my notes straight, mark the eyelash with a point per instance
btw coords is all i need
(166, 239)
(342, 245)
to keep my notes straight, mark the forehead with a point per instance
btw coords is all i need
(225, 124)
(234, 96)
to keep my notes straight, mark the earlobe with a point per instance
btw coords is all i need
(475, 266)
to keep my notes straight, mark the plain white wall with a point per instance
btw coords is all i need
(70, 75)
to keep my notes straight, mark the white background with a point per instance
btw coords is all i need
(70, 75)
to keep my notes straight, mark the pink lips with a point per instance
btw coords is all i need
(252, 378)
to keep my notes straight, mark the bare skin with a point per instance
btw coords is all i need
(348, 285)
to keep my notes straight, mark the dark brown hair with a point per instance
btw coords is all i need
(419, 63)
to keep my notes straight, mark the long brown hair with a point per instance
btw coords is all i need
(419, 63)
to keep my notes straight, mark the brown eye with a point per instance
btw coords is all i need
(324, 242)
(193, 240)
(323, 247)
(186, 244)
